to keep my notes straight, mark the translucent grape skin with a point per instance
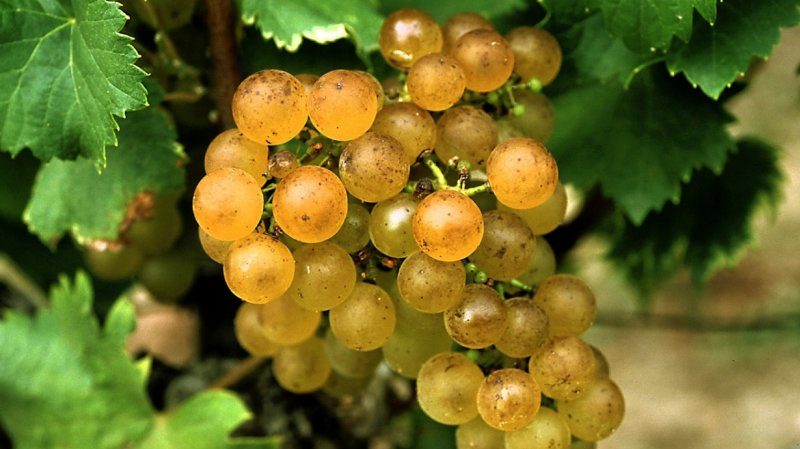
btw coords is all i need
(270, 107)
(365, 320)
(538, 118)
(536, 54)
(342, 105)
(377, 87)
(543, 264)
(466, 132)
(506, 248)
(569, 303)
(324, 276)
(390, 226)
(447, 387)
(228, 203)
(215, 249)
(410, 125)
(447, 225)
(486, 58)
(508, 399)
(417, 337)
(476, 434)
(281, 163)
(250, 333)
(286, 323)
(479, 319)
(374, 167)
(310, 204)
(564, 368)
(258, 268)
(429, 285)
(546, 217)
(232, 149)
(303, 368)
(597, 414)
(548, 430)
(168, 276)
(407, 35)
(461, 24)
(354, 233)
(436, 82)
(113, 264)
(349, 362)
(526, 331)
(522, 173)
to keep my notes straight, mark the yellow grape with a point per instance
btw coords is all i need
(461, 24)
(310, 204)
(447, 386)
(342, 387)
(365, 320)
(430, 285)
(376, 86)
(114, 263)
(564, 368)
(476, 434)
(410, 125)
(374, 167)
(324, 276)
(486, 57)
(281, 163)
(342, 104)
(390, 226)
(506, 248)
(250, 333)
(270, 107)
(447, 225)
(543, 264)
(354, 233)
(258, 268)
(436, 82)
(232, 149)
(307, 80)
(215, 249)
(597, 414)
(522, 173)
(303, 368)
(466, 132)
(349, 362)
(228, 203)
(479, 319)
(417, 337)
(538, 118)
(286, 323)
(508, 399)
(536, 52)
(601, 370)
(546, 217)
(568, 302)
(526, 331)
(548, 430)
(407, 35)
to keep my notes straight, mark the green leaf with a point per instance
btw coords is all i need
(313, 58)
(64, 74)
(710, 227)
(717, 54)
(94, 205)
(443, 10)
(64, 381)
(287, 23)
(638, 144)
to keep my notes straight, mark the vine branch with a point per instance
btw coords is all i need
(226, 74)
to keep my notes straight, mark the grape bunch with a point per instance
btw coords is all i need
(401, 223)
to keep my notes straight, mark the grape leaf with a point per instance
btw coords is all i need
(717, 54)
(72, 196)
(64, 74)
(443, 10)
(287, 23)
(638, 144)
(709, 228)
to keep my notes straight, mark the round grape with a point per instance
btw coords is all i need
(447, 386)
(417, 337)
(543, 264)
(215, 249)
(546, 217)
(568, 302)
(228, 203)
(258, 268)
(168, 276)
(390, 226)
(597, 414)
(354, 233)
(270, 107)
(486, 57)
(536, 54)
(508, 399)
(286, 323)
(114, 264)
(349, 362)
(526, 331)
(232, 149)
(447, 225)
(430, 285)
(324, 276)
(548, 430)
(506, 248)
(564, 368)
(522, 173)
(156, 234)
(537, 120)
(476, 434)
(436, 82)
(466, 132)
(342, 105)
(374, 167)
(307, 80)
(377, 87)
(340, 386)
(365, 320)
(281, 163)
(250, 333)
(410, 125)
(407, 35)
(601, 369)
(303, 368)
(461, 24)
(479, 319)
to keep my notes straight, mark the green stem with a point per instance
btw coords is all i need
(439, 181)
(520, 285)
(477, 189)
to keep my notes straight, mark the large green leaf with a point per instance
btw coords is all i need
(72, 196)
(65, 72)
(709, 228)
(745, 29)
(638, 144)
(444, 9)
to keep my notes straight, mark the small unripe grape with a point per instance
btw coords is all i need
(270, 107)
(156, 234)
(324, 276)
(354, 233)
(374, 167)
(250, 332)
(281, 163)
(286, 323)
(215, 249)
(430, 285)
(538, 118)
(536, 54)
(543, 264)
(228, 203)
(526, 331)
(466, 132)
(258, 268)
(568, 302)
(486, 57)
(113, 264)
(448, 225)
(232, 149)
(522, 173)
(506, 248)
(303, 368)
(564, 368)
(390, 226)
(342, 105)
(546, 217)
(168, 276)
(461, 24)
(410, 125)
(365, 320)
(476, 434)
(597, 414)
(479, 319)
(349, 362)
(407, 35)
(436, 82)
(417, 337)
(548, 430)
(310, 204)
(447, 387)
(508, 399)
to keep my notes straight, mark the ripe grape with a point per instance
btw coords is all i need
(307, 80)
(548, 430)
(466, 132)
(270, 107)
(536, 52)
(546, 217)
(340, 386)
(168, 276)
(564, 367)
(393, 87)
(526, 331)
(303, 368)
(461, 24)
(376, 86)
(479, 319)
(486, 57)
(354, 233)
(568, 303)
(281, 163)
(310, 204)
(215, 249)
(508, 399)
(407, 35)
(537, 120)
(365, 320)
(232, 149)
(430, 285)
(543, 264)
(258, 268)
(157, 234)
(349, 362)
(436, 82)
(250, 333)
(390, 226)
(114, 263)
(374, 167)
(597, 414)
(522, 173)
(600, 364)
(447, 225)
(417, 337)
(342, 105)
(410, 125)
(507, 246)
(228, 203)
(447, 386)
(286, 323)
(476, 434)
(324, 276)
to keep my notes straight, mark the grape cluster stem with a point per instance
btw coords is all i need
(440, 182)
